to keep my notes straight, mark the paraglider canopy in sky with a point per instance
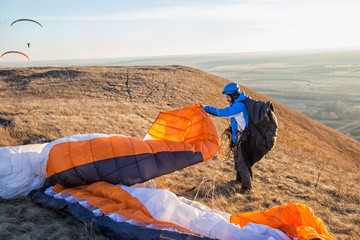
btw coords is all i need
(27, 20)
(17, 52)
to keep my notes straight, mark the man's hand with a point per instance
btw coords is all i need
(202, 106)
(227, 131)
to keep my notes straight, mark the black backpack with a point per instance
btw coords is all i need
(261, 132)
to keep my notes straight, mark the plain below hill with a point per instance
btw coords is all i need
(310, 163)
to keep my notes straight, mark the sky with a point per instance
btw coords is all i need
(88, 29)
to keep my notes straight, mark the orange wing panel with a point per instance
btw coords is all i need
(110, 198)
(297, 220)
(187, 135)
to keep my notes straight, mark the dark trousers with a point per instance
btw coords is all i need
(242, 170)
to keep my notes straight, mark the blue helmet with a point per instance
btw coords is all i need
(231, 88)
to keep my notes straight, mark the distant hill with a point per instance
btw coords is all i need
(310, 163)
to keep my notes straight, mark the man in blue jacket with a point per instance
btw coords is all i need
(239, 118)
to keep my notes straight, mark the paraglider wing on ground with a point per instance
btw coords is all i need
(82, 175)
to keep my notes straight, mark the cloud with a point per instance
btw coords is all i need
(183, 12)
(278, 15)
(337, 110)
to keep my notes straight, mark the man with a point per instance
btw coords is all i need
(239, 119)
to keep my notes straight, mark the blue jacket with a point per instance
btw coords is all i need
(238, 114)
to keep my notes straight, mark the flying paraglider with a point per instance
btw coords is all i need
(28, 20)
(14, 52)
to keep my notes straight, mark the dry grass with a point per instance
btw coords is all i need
(22, 219)
(310, 163)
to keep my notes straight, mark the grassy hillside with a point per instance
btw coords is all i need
(310, 163)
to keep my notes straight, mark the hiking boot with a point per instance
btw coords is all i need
(244, 190)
